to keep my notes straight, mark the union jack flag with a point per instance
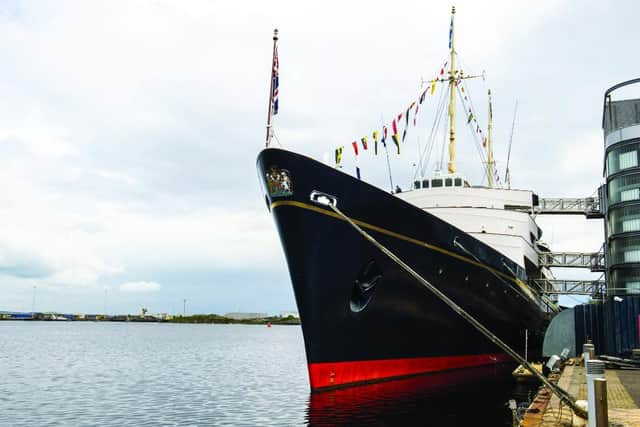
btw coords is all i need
(274, 94)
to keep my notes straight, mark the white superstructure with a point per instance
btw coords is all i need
(499, 218)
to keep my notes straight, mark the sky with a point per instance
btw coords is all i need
(129, 130)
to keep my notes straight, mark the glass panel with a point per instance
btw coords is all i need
(633, 287)
(630, 225)
(625, 219)
(425, 183)
(436, 183)
(632, 194)
(448, 182)
(622, 158)
(625, 250)
(628, 159)
(632, 255)
(624, 281)
(624, 188)
(458, 182)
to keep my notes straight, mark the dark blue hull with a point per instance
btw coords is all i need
(363, 318)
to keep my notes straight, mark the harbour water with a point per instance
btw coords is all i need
(114, 374)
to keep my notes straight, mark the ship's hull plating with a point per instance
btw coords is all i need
(365, 319)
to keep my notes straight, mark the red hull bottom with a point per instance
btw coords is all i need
(337, 374)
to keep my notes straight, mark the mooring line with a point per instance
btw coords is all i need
(562, 394)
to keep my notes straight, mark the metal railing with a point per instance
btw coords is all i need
(569, 287)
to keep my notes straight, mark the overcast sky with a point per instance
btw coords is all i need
(129, 130)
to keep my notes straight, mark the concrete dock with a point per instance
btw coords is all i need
(623, 397)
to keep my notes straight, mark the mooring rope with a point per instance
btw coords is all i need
(562, 394)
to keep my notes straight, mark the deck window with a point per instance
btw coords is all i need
(425, 183)
(416, 184)
(448, 182)
(458, 182)
(436, 183)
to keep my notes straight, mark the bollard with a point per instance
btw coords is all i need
(602, 408)
(594, 370)
(588, 352)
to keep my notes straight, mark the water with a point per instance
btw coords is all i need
(114, 374)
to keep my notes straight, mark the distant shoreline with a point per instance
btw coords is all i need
(195, 318)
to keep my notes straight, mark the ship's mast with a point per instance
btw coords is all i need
(452, 101)
(490, 161)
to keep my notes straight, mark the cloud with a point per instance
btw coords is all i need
(20, 262)
(139, 287)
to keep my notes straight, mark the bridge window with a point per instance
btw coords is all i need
(436, 183)
(448, 182)
(425, 183)
(416, 184)
(458, 182)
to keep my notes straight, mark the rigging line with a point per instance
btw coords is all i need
(474, 137)
(431, 140)
(273, 135)
(507, 174)
(561, 393)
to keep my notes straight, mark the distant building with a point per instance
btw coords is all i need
(245, 316)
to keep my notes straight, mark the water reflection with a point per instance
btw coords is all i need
(455, 398)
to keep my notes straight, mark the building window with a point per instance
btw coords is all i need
(633, 287)
(624, 219)
(631, 194)
(628, 159)
(622, 158)
(625, 250)
(624, 189)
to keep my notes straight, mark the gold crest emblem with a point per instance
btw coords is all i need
(279, 182)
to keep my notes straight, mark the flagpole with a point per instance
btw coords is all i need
(270, 113)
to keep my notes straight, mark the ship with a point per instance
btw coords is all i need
(364, 318)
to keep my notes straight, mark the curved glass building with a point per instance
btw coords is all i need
(621, 125)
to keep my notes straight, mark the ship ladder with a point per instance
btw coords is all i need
(331, 202)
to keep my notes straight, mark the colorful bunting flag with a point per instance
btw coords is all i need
(338, 155)
(375, 142)
(358, 172)
(433, 86)
(385, 132)
(394, 127)
(451, 33)
(364, 142)
(470, 118)
(484, 142)
(354, 144)
(415, 115)
(422, 97)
